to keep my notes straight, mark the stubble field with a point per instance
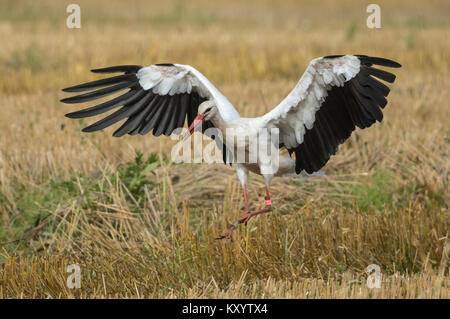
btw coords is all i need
(139, 225)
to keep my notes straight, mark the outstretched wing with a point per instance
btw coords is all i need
(335, 94)
(159, 98)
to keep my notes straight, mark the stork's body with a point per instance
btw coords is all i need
(334, 95)
(237, 135)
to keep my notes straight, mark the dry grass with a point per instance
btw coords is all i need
(67, 197)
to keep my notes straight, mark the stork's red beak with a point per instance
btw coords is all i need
(198, 121)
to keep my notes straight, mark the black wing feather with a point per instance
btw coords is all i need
(101, 83)
(357, 103)
(149, 121)
(124, 112)
(134, 120)
(381, 74)
(123, 99)
(143, 110)
(98, 94)
(119, 68)
(163, 122)
(175, 115)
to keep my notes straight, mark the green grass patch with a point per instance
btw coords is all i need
(376, 192)
(350, 33)
(33, 206)
(29, 58)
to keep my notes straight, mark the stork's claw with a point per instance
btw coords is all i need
(246, 217)
(243, 219)
(228, 234)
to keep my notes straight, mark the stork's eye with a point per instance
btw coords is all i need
(208, 109)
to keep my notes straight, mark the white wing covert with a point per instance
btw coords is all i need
(160, 97)
(335, 94)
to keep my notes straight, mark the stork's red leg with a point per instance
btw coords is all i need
(229, 232)
(246, 217)
(245, 198)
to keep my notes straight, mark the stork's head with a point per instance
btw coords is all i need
(206, 111)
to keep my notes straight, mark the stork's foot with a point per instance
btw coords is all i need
(228, 234)
(246, 217)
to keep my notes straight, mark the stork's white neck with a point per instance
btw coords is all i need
(219, 122)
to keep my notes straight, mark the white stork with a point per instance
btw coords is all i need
(334, 95)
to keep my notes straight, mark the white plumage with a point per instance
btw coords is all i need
(180, 78)
(297, 111)
(334, 95)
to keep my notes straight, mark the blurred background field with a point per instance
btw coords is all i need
(141, 226)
